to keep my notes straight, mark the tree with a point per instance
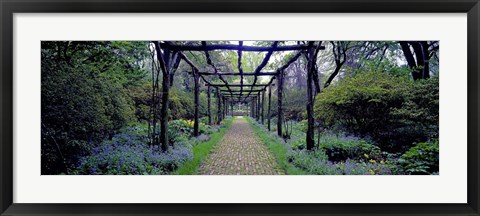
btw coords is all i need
(419, 59)
(339, 51)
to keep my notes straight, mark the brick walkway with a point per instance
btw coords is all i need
(240, 152)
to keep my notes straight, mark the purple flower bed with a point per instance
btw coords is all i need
(129, 154)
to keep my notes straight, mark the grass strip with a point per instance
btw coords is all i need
(277, 148)
(202, 150)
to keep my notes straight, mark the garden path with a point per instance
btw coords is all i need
(240, 152)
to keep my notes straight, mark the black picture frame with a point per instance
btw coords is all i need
(9, 7)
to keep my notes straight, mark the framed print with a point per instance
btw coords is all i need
(246, 108)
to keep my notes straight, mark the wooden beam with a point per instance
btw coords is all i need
(238, 74)
(235, 94)
(189, 62)
(233, 47)
(239, 85)
(263, 64)
(233, 91)
(210, 62)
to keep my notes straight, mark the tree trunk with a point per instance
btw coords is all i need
(334, 74)
(410, 59)
(426, 56)
(417, 48)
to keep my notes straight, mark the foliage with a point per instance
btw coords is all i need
(83, 96)
(185, 127)
(294, 104)
(141, 96)
(314, 162)
(372, 167)
(361, 104)
(381, 64)
(343, 148)
(317, 163)
(181, 104)
(421, 159)
(392, 110)
(421, 106)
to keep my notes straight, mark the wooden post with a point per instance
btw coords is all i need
(231, 109)
(219, 107)
(263, 108)
(224, 108)
(254, 101)
(269, 104)
(164, 62)
(196, 77)
(258, 106)
(310, 125)
(251, 108)
(279, 103)
(209, 111)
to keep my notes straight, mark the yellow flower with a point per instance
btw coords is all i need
(382, 162)
(366, 156)
(371, 172)
(372, 161)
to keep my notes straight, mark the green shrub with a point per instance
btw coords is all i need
(360, 104)
(343, 148)
(391, 110)
(422, 159)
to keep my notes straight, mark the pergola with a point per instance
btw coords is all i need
(170, 54)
